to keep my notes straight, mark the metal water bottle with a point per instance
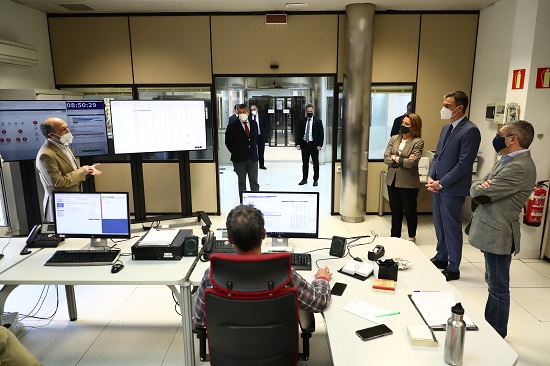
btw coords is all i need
(454, 338)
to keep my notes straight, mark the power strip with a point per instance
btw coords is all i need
(11, 321)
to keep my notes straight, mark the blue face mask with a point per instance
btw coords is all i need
(499, 143)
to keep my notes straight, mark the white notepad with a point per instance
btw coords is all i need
(355, 267)
(159, 237)
(435, 308)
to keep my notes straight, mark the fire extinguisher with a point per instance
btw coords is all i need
(535, 204)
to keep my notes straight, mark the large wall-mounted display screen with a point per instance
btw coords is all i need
(20, 136)
(142, 126)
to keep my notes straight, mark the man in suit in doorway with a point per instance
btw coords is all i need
(494, 227)
(309, 141)
(56, 164)
(241, 141)
(260, 121)
(449, 178)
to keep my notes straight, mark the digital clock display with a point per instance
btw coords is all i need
(84, 105)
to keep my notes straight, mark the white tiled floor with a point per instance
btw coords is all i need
(127, 325)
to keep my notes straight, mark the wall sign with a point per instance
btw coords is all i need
(518, 79)
(543, 77)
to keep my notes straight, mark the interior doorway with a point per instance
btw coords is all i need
(282, 100)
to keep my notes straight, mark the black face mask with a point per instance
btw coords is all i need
(309, 115)
(499, 142)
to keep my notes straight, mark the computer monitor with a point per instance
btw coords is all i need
(98, 216)
(20, 120)
(286, 214)
(143, 126)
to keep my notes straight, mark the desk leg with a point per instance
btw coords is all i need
(4, 293)
(71, 302)
(186, 323)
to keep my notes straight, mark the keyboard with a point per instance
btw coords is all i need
(301, 261)
(83, 257)
(224, 247)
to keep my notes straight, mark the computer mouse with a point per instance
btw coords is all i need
(117, 267)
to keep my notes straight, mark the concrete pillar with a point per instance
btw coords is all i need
(356, 119)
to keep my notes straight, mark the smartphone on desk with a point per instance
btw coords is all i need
(374, 332)
(338, 289)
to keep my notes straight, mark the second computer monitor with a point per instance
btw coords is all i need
(286, 214)
(98, 215)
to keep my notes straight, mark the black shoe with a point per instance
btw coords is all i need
(302, 182)
(315, 184)
(439, 264)
(451, 276)
(263, 167)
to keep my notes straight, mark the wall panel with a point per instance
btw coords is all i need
(162, 187)
(446, 63)
(171, 49)
(306, 45)
(204, 187)
(91, 50)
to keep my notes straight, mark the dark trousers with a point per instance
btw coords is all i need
(448, 229)
(403, 199)
(242, 169)
(261, 149)
(497, 276)
(308, 150)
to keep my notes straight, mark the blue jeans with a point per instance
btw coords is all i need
(497, 276)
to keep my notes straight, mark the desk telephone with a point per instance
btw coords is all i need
(211, 245)
(43, 236)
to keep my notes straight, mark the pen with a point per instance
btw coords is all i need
(388, 314)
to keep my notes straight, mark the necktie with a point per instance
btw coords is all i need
(246, 129)
(307, 129)
(448, 134)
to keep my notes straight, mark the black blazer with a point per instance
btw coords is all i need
(233, 118)
(318, 133)
(262, 121)
(239, 145)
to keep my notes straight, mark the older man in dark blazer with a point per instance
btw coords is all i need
(241, 141)
(263, 135)
(449, 178)
(494, 227)
(309, 140)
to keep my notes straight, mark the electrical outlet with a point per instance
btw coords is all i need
(338, 169)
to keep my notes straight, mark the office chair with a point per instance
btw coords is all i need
(252, 314)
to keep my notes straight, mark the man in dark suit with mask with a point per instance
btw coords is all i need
(259, 120)
(241, 141)
(309, 141)
(449, 178)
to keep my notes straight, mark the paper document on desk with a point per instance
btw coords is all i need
(159, 237)
(366, 310)
(435, 308)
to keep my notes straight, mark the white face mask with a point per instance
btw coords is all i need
(254, 113)
(243, 117)
(446, 113)
(66, 138)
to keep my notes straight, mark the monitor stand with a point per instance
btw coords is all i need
(280, 245)
(99, 243)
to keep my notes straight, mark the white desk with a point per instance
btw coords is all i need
(31, 271)
(482, 347)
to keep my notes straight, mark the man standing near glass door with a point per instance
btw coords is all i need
(260, 122)
(309, 141)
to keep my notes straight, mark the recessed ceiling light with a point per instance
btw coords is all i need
(296, 5)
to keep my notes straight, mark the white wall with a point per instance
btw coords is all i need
(500, 28)
(22, 24)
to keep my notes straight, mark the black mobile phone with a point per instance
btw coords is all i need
(338, 289)
(374, 332)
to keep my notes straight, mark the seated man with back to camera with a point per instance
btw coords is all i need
(245, 230)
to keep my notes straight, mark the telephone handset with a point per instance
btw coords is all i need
(42, 236)
(208, 242)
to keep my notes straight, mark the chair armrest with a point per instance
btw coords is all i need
(307, 321)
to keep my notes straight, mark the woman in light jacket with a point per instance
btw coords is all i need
(402, 155)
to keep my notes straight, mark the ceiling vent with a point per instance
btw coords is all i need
(76, 7)
(17, 54)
